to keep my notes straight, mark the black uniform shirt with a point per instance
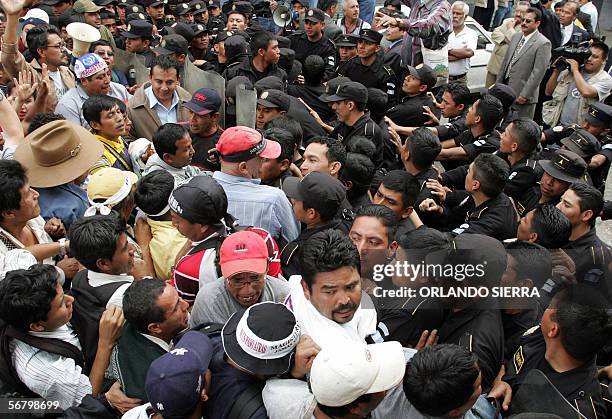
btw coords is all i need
(324, 48)
(364, 127)
(403, 319)
(495, 217)
(524, 174)
(377, 75)
(452, 128)
(480, 332)
(473, 146)
(409, 113)
(579, 386)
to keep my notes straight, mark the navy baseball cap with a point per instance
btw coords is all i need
(175, 380)
(204, 101)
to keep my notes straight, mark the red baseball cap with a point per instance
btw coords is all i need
(243, 251)
(238, 144)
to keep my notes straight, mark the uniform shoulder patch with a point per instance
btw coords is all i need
(512, 175)
(518, 359)
(558, 128)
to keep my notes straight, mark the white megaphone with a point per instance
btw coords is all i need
(281, 16)
(82, 36)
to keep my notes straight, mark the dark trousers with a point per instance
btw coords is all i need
(483, 16)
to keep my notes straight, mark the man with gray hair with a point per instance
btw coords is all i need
(501, 37)
(462, 43)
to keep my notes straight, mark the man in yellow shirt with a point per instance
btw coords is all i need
(107, 123)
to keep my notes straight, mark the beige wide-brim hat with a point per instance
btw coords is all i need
(58, 153)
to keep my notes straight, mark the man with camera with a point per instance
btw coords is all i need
(574, 85)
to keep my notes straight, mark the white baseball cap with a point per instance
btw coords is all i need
(36, 14)
(343, 372)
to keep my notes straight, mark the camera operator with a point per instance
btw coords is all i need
(574, 87)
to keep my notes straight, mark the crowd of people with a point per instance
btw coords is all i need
(231, 251)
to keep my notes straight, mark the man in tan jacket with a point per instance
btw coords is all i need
(501, 37)
(45, 45)
(159, 101)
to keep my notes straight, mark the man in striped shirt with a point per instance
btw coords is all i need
(241, 151)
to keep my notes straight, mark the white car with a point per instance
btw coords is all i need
(478, 63)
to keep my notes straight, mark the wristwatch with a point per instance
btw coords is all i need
(62, 243)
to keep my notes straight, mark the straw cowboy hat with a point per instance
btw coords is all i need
(58, 153)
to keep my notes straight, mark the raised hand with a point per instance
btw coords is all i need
(24, 86)
(13, 7)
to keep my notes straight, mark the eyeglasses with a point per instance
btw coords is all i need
(60, 46)
(238, 284)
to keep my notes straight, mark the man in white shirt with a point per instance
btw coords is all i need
(571, 33)
(589, 8)
(462, 43)
(327, 299)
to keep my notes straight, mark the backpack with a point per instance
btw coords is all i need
(10, 384)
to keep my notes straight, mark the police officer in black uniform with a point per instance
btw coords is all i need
(570, 366)
(563, 169)
(598, 122)
(144, 30)
(247, 67)
(317, 200)
(353, 119)
(525, 171)
(487, 210)
(480, 137)
(347, 48)
(313, 41)
(459, 94)
(475, 324)
(418, 82)
(368, 67)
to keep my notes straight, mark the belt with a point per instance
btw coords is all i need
(460, 76)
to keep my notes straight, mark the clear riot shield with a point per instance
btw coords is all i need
(246, 106)
(195, 79)
(538, 395)
(132, 65)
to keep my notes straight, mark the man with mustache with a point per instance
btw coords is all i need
(327, 298)
(525, 63)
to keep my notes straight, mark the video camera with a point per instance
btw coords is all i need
(579, 52)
